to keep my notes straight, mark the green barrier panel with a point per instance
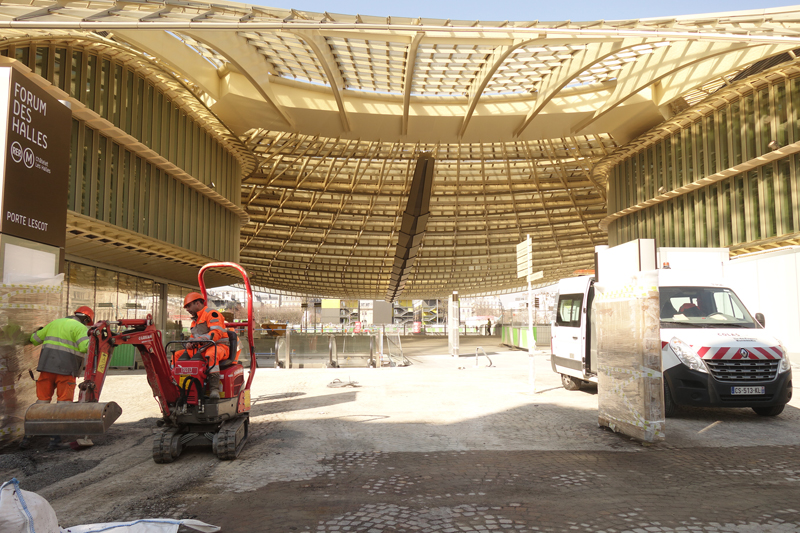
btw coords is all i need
(517, 336)
(124, 356)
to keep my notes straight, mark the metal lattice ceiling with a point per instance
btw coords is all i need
(334, 206)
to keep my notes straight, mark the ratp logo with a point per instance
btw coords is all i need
(16, 152)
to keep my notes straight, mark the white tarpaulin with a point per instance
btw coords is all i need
(155, 525)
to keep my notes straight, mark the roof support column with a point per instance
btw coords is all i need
(408, 78)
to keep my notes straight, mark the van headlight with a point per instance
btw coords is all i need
(785, 365)
(687, 355)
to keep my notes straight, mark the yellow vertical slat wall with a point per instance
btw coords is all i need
(757, 205)
(114, 185)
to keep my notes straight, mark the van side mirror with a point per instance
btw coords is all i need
(760, 319)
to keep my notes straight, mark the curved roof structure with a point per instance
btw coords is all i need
(336, 110)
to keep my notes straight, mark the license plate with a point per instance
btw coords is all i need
(748, 390)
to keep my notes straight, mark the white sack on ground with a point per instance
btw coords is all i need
(25, 512)
(22, 511)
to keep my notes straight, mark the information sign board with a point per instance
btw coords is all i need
(35, 131)
(536, 275)
(524, 257)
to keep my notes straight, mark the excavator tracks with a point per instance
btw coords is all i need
(230, 438)
(166, 446)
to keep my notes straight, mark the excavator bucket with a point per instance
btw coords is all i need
(84, 418)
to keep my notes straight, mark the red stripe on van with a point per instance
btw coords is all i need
(766, 353)
(702, 351)
(720, 353)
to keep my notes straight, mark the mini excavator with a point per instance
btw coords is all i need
(190, 417)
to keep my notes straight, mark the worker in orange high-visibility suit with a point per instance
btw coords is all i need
(207, 325)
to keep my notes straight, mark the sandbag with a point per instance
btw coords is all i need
(25, 512)
(155, 525)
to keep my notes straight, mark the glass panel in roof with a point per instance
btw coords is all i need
(289, 56)
(212, 56)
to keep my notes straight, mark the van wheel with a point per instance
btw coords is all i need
(775, 410)
(670, 407)
(570, 383)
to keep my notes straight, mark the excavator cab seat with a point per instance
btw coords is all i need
(233, 356)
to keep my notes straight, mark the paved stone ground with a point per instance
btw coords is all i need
(736, 489)
(440, 446)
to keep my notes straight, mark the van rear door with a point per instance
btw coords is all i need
(569, 330)
(566, 339)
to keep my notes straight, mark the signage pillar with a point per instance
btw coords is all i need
(525, 269)
(35, 131)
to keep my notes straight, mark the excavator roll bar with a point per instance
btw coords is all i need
(249, 324)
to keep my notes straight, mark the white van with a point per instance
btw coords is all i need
(714, 353)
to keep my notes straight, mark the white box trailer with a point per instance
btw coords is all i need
(714, 352)
(770, 282)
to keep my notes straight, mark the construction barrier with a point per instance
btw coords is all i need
(517, 336)
(380, 346)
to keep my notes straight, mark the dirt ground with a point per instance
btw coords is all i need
(441, 445)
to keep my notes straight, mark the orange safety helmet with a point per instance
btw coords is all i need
(191, 297)
(85, 310)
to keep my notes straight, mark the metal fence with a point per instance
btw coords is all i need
(401, 329)
(441, 329)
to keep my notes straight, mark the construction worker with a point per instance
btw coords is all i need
(65, 343)
(207, 325)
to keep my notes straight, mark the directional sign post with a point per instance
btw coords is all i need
(525, 269)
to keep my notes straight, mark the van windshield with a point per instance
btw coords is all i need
(702, 307)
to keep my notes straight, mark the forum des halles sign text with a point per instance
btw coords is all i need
(35, 129)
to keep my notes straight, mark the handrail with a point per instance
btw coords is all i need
(288, 363)
(402, 359)
(372, 362)
(484, 354)
(332, 352)
(280, 344)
